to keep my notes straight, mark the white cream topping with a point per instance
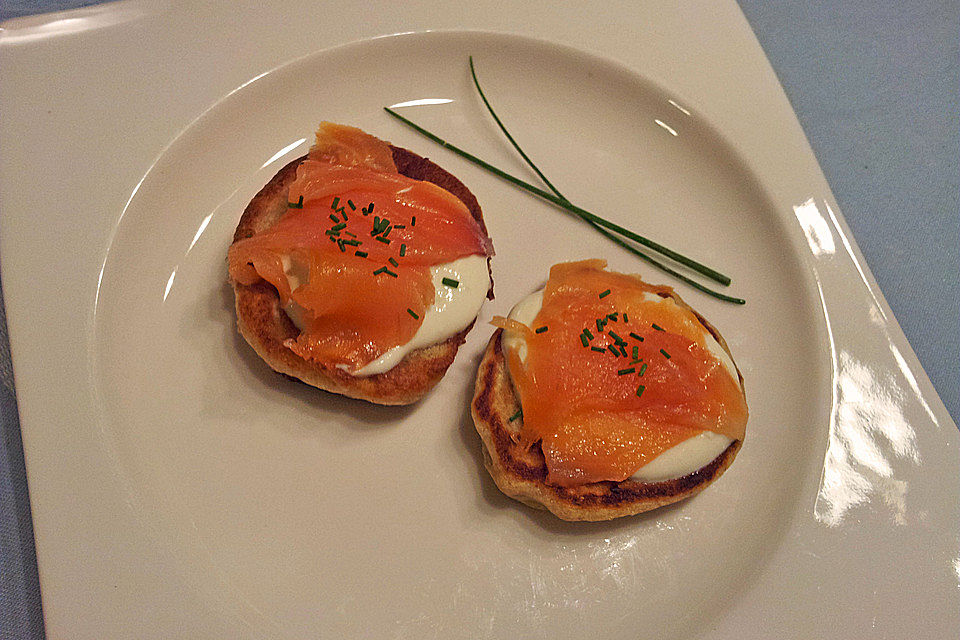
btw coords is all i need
(453, 308)
(680, 460)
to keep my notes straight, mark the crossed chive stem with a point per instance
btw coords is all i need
(601, 225)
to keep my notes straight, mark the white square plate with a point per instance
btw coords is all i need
(181, 489)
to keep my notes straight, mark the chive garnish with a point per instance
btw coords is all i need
(376, 226)
(331, 232)
(559, 200)
(379, 271)
(518, 414)
(617, 339)
(584, 340)
(625, 317)
(394, 262)
(613, 350)
(623, 372)
(587, 333)
(599, 326)
(352, 206)
(665, 354)
(383, 240)
(612, 316)
(636, 352)
(413, 221)
(352, 235)
(362, 254)
(370, 208)
(542, 329)
(389, 273)
(403, 250)
(640, 390)
(450, 282)
(656, 326)
(334, 218)
(296, 205)
(336, 203)
(387, 230)
(643, 369)
(604, 294)
(599, 349)
(638, 337)
(342, 225)
(413, 313)
(399, 226)
(623, 350)
(352, 243)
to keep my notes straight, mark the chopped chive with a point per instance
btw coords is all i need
(399, 226)
(599, 326)
(379, 271)
(587, 333)
(364, 211)
(362, 254)
(450, 282)
(612, 316)
(296, 205)
(376, 226)
(636, 352)
(542, 329)
(383, 240)
(656, 326)
(640, 390)
(336, 203)
(638, 337)
(584, 340)
(387, 230)
(413, 221)
(342, 225)
(624, 317)
(518, 414)
(643, 369)
(623, 350)
(343, 249)
(352, 243)
(413, 313)
(604, 294)
(334, 218)
(623, 372)
(665, 354)
(353, 207)
(613, 350)
(615, 337)
(598, 349)
(370, 208)
(352, 235)
(394, 262)
(331, 232)
(403, 250)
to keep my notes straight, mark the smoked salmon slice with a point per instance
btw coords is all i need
(614, 375)
(353, 252)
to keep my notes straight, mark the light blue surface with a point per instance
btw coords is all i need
(875, 85)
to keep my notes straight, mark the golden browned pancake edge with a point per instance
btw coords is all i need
(521, 473)
(265, 326)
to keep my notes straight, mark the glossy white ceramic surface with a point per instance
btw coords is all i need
(200, 495)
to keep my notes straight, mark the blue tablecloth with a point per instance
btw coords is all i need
(875, 87)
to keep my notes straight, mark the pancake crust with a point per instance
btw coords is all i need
(521, 473)
(265, 326)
